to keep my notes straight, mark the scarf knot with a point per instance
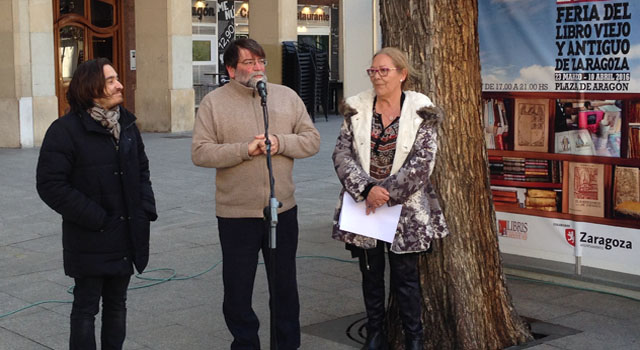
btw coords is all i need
(107, 118)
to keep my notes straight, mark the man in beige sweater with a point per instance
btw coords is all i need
(229, 136)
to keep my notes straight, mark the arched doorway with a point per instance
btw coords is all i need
(83, 30)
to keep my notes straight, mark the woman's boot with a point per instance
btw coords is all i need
(405, 282)
(413, 342)
(372, 268)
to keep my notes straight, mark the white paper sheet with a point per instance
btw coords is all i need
(380, 225)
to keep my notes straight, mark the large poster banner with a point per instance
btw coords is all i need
(560, 45)
(601, 246)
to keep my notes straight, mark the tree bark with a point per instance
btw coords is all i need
(466, 302)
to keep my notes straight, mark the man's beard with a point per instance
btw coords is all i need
(253, 82)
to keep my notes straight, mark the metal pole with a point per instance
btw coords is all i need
(577, 249)
(374, 26)
(271, 215)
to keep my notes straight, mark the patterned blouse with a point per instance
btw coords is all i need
(383, 144)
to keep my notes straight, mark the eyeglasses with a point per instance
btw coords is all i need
(384, 71)
(262, 62)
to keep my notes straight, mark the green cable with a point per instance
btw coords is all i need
(155, 281)
(36, 304)
(172, 277)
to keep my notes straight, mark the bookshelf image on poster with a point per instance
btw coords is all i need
(531, 124)
(594, 134)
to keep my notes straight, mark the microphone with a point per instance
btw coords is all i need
(262, 89)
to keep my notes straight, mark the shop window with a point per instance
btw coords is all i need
(204, 49)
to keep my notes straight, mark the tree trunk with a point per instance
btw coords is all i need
(466, 302)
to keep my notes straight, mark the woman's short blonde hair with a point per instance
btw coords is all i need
(400, 61)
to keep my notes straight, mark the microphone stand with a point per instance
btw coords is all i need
(271, 215)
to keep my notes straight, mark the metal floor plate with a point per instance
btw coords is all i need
(348, 330)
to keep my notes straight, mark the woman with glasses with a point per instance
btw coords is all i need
(384, 156)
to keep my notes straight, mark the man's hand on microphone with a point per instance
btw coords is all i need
(263, 147)
(254, 147)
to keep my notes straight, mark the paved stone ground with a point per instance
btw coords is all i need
(186, 314)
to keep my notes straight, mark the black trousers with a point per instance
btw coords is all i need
(405, 283)
(86, 299)
(241, 240)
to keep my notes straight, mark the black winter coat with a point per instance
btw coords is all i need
(103, 192)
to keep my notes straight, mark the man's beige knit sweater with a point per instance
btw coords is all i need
(228, 119)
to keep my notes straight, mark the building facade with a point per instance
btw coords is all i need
(162, 50)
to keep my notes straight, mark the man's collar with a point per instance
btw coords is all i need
(241, 88)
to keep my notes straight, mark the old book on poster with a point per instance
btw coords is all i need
(627, 185)
(575, 142)
(586, 189)
(633, 149)
(379, 225)
(531, 122)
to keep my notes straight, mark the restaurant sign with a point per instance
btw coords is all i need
(204, 11)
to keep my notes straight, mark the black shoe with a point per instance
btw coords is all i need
(375, 341)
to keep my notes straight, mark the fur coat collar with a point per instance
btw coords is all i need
(417, 108)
